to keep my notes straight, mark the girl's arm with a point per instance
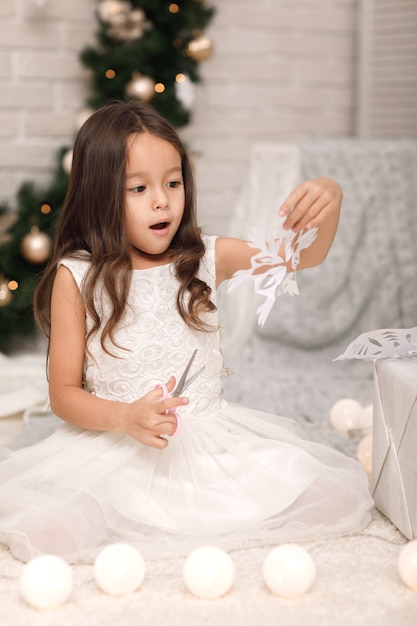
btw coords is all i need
(145, 419)
(314, 203)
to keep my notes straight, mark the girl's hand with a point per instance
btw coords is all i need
(311, 203)
(147, 418)
(314, 203)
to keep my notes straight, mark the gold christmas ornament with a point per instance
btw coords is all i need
(200, 48)
(110, 10)
(124, 22)
(5, 293)
(142, 87)
(36, 246)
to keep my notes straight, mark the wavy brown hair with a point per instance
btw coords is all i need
(93, 220)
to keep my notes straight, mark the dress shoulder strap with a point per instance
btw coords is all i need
(78, 266)
(207, 271)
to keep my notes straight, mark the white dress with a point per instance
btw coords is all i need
(233, 477)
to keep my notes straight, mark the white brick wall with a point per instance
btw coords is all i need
(43, 85)
(282, 71)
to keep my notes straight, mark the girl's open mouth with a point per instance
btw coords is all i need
(160, 226)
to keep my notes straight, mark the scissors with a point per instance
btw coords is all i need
(182, 385)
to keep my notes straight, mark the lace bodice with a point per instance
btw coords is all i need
(154, 341)
(234, 475)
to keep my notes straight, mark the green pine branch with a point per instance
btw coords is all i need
(159, 53)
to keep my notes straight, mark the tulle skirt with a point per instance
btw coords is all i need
(232, 478)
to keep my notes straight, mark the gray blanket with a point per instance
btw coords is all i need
(368, 281)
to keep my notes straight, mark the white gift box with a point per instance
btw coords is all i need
(394, 447)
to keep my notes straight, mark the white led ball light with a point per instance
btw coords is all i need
(289, 571)
(119, 569)
(208, 572)
(407, 564)
(344, 414)
(46, 582)
(364, 453)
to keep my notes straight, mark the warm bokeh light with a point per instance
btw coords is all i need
(13, 285)
(110, 73)
(45, 209)
(159, 87)
(180, 78)
(173, 8)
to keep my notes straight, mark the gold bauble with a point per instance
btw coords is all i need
(124, 23)
(5, 293)
(129, 26)
(110, 10)
(36, 246)
(142, 87)
(200, 48)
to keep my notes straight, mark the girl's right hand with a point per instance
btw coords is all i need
(147, 420)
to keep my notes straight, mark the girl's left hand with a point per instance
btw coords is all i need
(311, 203)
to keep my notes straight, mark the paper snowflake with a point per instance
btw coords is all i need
(382, 343)
(277, 247)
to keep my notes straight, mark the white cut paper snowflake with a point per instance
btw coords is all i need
(382, 343)
(268, 268)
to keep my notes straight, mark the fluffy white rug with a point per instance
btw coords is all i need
(357, 583)
(357, 580)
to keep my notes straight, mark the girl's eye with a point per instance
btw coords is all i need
(174, 183)
(137, 189)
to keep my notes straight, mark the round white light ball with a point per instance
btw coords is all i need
(288, 570)
(364, 453)
(344, 414)
(407, 564)
(46, 582)
(208, 572)
(119, 569)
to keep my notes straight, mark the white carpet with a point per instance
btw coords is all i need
(357, 580)
(357, 583)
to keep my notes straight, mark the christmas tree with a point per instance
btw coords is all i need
(146, 49)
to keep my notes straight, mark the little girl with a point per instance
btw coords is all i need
(128, 296)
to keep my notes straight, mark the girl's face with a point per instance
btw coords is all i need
(155, 198)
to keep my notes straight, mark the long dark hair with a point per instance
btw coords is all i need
(92, 219)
